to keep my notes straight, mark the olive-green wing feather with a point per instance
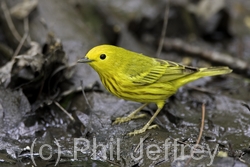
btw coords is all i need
(176, 71)
(150, 76)
(164, 71)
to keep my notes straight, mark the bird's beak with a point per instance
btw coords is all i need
(84, 60)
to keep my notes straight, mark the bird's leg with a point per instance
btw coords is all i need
(131, 115)
(147, 126)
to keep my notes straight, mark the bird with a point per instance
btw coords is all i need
(136, 77)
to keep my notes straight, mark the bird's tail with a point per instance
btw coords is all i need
(203, 72)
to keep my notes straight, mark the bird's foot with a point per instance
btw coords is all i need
(128, 118)
(142, 130)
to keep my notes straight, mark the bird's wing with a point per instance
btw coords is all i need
(164, 71)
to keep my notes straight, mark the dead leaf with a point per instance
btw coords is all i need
(32, 57)
(5, 73)
(23, 9)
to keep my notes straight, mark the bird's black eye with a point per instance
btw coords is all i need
(102, 56)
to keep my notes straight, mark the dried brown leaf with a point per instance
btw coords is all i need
(32, 57)
(23, 9)
(5, 73)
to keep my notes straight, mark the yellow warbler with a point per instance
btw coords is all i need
(133, 76)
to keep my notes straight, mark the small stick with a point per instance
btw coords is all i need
(201, 89)
(66, 112)
(141, 141)
(164, 30)
(84, 95)
(202, 125)
(208, 54)
(246, 105)
(201, 131)
(20, 45)
(10, 22)
(26, 28)
(113, 163)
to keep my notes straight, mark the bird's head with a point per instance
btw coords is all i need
(103, 58)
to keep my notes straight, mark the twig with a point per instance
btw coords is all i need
(10, 22)
(141, 141)
(20, 45)
(164, 30)
(5, 71)
(159, 162)
(26, 27)
(66, 112)
(213, 56)
(201, 89)
(202, 125)
(201, 131)
(246, 105)
(25, 36)
(241, 156)
(84, 95)
(113, 163)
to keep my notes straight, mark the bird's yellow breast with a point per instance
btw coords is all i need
(128, 90)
